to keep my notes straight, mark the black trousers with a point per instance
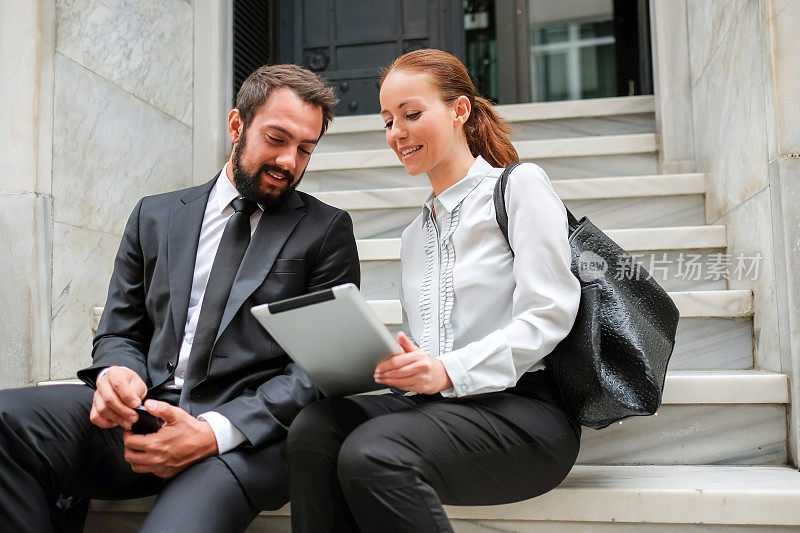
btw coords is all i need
(53, 460)
(387, 463)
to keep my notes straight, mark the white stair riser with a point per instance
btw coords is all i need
(603, 495)
(692, 435)
(531, 130)
(523, 131)
(706, 344)
(713, 343)
(662, 211)
(556, 168)
(518, 526)
(599, 166)
(131, 522)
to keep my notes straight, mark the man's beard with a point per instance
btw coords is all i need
(251, 186)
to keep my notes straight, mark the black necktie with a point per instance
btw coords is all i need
(230, 252)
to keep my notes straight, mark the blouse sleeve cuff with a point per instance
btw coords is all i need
(482, 366)
(462, 384)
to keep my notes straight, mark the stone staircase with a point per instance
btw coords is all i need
(714, 457)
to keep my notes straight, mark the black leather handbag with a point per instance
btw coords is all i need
(613, 362)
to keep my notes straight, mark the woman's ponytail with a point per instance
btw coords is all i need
(486, 133)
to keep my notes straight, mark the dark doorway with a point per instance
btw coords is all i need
(515, 50)
(350, 41)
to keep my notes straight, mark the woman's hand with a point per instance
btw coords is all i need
(413, 370)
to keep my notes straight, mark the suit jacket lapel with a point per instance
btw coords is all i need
(272, 232)
(185, 221)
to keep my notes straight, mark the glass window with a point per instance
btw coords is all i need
(573, 61)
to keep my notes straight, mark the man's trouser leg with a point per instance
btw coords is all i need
(52, 457)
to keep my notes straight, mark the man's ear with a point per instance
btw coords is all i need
(462, 109)
(235, 125)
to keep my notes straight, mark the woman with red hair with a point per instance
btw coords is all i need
(473, 417)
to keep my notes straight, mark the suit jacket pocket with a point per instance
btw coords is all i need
(289, 266)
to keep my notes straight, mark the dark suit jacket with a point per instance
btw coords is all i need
(303, 246)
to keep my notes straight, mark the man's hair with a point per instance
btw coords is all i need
(311, 88)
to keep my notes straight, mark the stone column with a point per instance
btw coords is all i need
(27, 49)
(784, 174)
(213, 98)
(672, 85)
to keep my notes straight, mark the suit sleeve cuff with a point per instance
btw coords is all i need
(228, 436)
(102, 373)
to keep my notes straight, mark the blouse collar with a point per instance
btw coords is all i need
(451, 197)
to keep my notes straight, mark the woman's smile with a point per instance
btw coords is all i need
(410, 151)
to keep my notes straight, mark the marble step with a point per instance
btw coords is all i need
(722, 434)
(679, 258)
(642, 212)
(692, 387)
(641, 498)
(717, 417)
(658, 185)
(602, 116)
(585, 146)
(704, 341)
(675, 270)
(705, 344)
(691, 304)
(614, 202)
(631, 239)
(523, 130)
(558, 168)
(513, 113)
(713, 417)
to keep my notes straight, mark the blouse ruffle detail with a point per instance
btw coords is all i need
(425, 289)
(447, 290)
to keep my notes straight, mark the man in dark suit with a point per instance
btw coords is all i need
(177, 336)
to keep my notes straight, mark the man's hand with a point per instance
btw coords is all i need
(182, 441)
(118, 393)
(413, 370)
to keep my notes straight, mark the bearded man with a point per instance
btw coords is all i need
(177, 336)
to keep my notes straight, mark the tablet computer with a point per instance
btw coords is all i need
(333, 335)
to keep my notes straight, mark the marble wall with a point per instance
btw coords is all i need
(745, 91)
(142, 46)
(732, 88)
(123, 101)
(728, 92)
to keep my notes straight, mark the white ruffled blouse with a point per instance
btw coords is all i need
(488, 315)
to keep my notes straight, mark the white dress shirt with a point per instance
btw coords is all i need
(488, 315)
(218, 211)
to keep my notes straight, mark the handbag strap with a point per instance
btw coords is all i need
(501, 214)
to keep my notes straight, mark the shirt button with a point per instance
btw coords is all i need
(463, 388)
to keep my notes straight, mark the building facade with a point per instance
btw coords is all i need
(105, 101)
